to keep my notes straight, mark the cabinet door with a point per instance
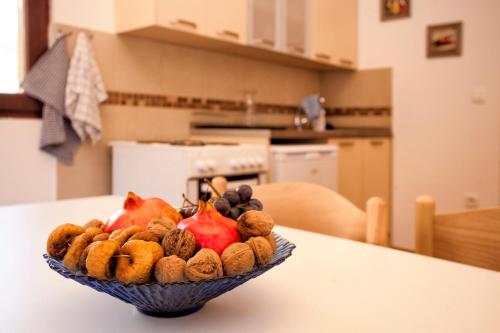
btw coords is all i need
(351, 170)
(295, 26)
(376, 169)
(263, 23)
(187, 15)
(321, 32)
(227, 19)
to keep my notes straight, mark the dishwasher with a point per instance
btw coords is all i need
(317, 164)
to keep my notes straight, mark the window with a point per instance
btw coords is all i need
(11, 45)
(23, 38)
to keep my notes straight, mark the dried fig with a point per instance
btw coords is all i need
(255, 223)
(78, 245)
(93, 231)
(157, 251)
(122, 235)
(237, 259)
(135, 262)
(170, 269)
(145, 236)
(100, 261)
(160, 227)
(261, 249)
(94, 223)
(100, 237)
(180, 243)
(205, 265)
(60, 239)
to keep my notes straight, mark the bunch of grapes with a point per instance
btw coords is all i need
(233, 203)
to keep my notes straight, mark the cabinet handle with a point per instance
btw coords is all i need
(377, 143)
(185, 23)
(323, 56)
(346, 143)
(264, 41)
(229, 33)
(346, 61)
(295, 49)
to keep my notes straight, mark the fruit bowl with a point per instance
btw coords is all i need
(173, 299)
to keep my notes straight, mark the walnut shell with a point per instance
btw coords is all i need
(146, 236)
(255, 223)
(272, 241)
(160, 227)
(94, 223)
(170, 269)
(205, 265)
(237, 259)
(261, 249)
(180, 243)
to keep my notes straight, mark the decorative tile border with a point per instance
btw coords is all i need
(149, 100)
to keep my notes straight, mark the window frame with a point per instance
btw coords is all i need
(36, 21)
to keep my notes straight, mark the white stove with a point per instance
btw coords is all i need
(167, 171)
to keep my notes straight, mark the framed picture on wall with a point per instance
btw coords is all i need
(394, 9)
(444, 40)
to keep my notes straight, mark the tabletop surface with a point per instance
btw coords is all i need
(328, 285)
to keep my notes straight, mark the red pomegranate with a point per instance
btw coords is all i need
(138, 211)
(211, 229)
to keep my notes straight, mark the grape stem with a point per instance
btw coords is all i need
(209, 183)
(187, 200)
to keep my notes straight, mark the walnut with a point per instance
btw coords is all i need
(146, 236)
(94, 223)
(261, 249)
(160, 227)
(100, 237)
(255, 223)
(272, 241)
(170, 269)
(180, 243)
(205, 265)
(237, 259)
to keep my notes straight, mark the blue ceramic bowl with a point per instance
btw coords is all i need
(174, 299)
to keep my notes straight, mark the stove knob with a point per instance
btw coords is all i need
(259, 162)
(243, 163)
(211, 165)
(201, 166)
(251, 162)
(234, 164)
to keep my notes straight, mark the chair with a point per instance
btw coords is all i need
(469, 237)
(316, 208)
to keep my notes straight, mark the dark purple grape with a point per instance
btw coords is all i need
(234, 213)
(256, 203)
(232, 197)
(222, 206)
(247, 207)
(245, 193)
(188, 211)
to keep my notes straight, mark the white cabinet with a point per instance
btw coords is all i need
(182, 14)
(227, 19)
(294, 32)
(263, 23)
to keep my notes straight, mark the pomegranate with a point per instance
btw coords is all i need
(138, 211)
(211, 229)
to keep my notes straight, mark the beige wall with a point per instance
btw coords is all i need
(444, 145)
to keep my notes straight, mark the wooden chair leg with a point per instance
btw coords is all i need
(377, 222)
(424, 218)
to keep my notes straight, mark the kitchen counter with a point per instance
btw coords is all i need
(337, 133)
(328, 285)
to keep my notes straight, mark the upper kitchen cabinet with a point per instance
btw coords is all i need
(333, 32)
(227, 19)
(263, 23)
(182, 14)
(294, 34)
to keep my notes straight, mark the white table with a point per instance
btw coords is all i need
(328, 285)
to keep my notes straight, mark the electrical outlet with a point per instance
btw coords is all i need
(471, 200)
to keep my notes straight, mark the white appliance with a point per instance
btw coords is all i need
(316, 164)
(167, 171)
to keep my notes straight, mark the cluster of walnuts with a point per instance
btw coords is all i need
(161, 253)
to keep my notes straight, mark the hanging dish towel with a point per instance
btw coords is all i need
(84, 91)
(46, 82)
(312, 106)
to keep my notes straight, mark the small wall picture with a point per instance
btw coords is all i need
(394, 9)
(444, 40)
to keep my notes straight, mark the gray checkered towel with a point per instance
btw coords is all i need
(46, 81)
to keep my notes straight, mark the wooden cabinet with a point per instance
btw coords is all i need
(263, 23)
(182, 14)
(364, 169)
(294, 32)
(227, 19)
(333, 32)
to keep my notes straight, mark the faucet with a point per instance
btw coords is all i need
(300, 120)
(250, 106)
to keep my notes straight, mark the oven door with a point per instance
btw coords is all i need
(197, 189)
